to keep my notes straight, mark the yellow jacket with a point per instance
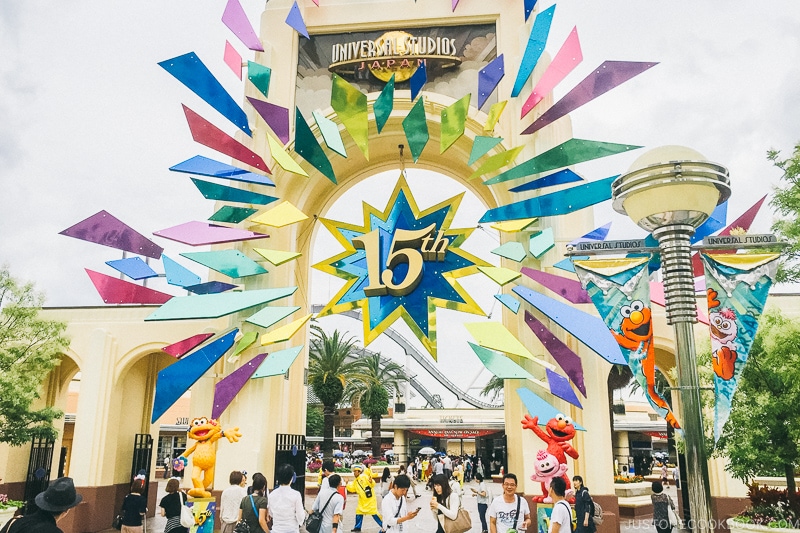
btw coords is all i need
(366, 505)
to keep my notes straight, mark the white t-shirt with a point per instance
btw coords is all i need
(286, 509)
(229, 503)
(506, 513)
(393, 508)
(562, 515)
(488, 498)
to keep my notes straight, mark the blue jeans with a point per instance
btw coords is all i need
(482, 507)
(360, 520)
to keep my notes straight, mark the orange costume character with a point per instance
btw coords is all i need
(723, 336)
(557, 434)
(206, 432)
(637, 335)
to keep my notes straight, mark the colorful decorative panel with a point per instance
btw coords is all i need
(541, 242)
(181, 348)
(210, 287)
(178, 377)
(536, 406)
(177, 274)
(244, 343)
(260, 76)
(570, 289)
(587, 328)
(534, 48)
(277, 257)
(231, 214)
(269, 316)
(489, 77)
(514, 226)
(511, 250)
(330, 133)
(568, 153)
(233, 59)
(281, 215)
(500, 365)
(568, 360)
(223, 193)
(481, 146)
(216, 305)
(499, 275)
(207, 134)
(276, 117)
(133, 267)
(415, 126)
(351, 106)
(284, 333)
(295, 20)
(495, 336)
(560, 388)
(497, 161)
(236, 20)
(232, 263)
(567, 58)
(508, 301)
(556, 203)
(282, 157)
(192, 72)
(278, 363)
(306, 145)
(117, 291)
(197, 233)
(203, 166)
(103, 228)
(228, 387)
(453, 122)
(557, 178)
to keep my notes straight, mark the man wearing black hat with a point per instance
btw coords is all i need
(53, 504)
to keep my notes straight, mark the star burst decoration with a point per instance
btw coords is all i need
(437, 283)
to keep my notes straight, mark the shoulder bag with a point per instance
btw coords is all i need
(314, 520)
(241, 525)
(462, 522)
(187, 516)
(671, 514)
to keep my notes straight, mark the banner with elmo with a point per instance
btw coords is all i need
(737, 287)
(620, 290)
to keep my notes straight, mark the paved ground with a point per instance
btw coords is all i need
(424, 521)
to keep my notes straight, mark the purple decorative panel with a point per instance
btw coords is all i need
(605, 77)
(201, 233)
(236, 20)
(568, 360)
(103, 228)
(560, 388)
(227, 388)
(276, 117)
(570, 289)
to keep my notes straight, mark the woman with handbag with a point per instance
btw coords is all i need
(444, 503)
(253, 509)
(171, 507)
(134, 508)
(662, 505)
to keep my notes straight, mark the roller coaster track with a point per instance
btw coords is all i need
(433, 399)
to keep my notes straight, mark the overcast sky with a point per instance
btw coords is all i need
(89, 121)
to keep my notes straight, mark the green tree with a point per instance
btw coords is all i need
(786, 201)
(315, 420)
(370, 386)
(762, 435)
(30, 348)
(328, 372)
(493, 388)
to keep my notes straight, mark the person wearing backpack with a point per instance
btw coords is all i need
(561, 517)
(253, 508)
(584, 507)
(330, 504)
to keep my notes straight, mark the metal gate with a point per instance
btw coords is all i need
(39, 464)
(142, 458)
(291, 450)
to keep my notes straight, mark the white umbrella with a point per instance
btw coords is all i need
(389, 452)
(427, 450)
(358, 453)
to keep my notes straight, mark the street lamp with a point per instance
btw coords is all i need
(670, 191)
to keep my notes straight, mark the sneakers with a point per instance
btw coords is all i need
(354, 530)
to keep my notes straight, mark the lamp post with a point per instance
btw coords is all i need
(670, 191)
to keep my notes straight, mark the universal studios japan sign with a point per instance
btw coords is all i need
(397, 53)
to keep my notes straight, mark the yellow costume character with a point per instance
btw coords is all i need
(425, 464)
(364, 486)
(206, 432)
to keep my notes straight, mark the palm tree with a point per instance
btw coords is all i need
(493, 388)
(369, 388)
(328, 372)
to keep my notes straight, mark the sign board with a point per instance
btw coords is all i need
(455, 433)
(740, 240)
(605, 246)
